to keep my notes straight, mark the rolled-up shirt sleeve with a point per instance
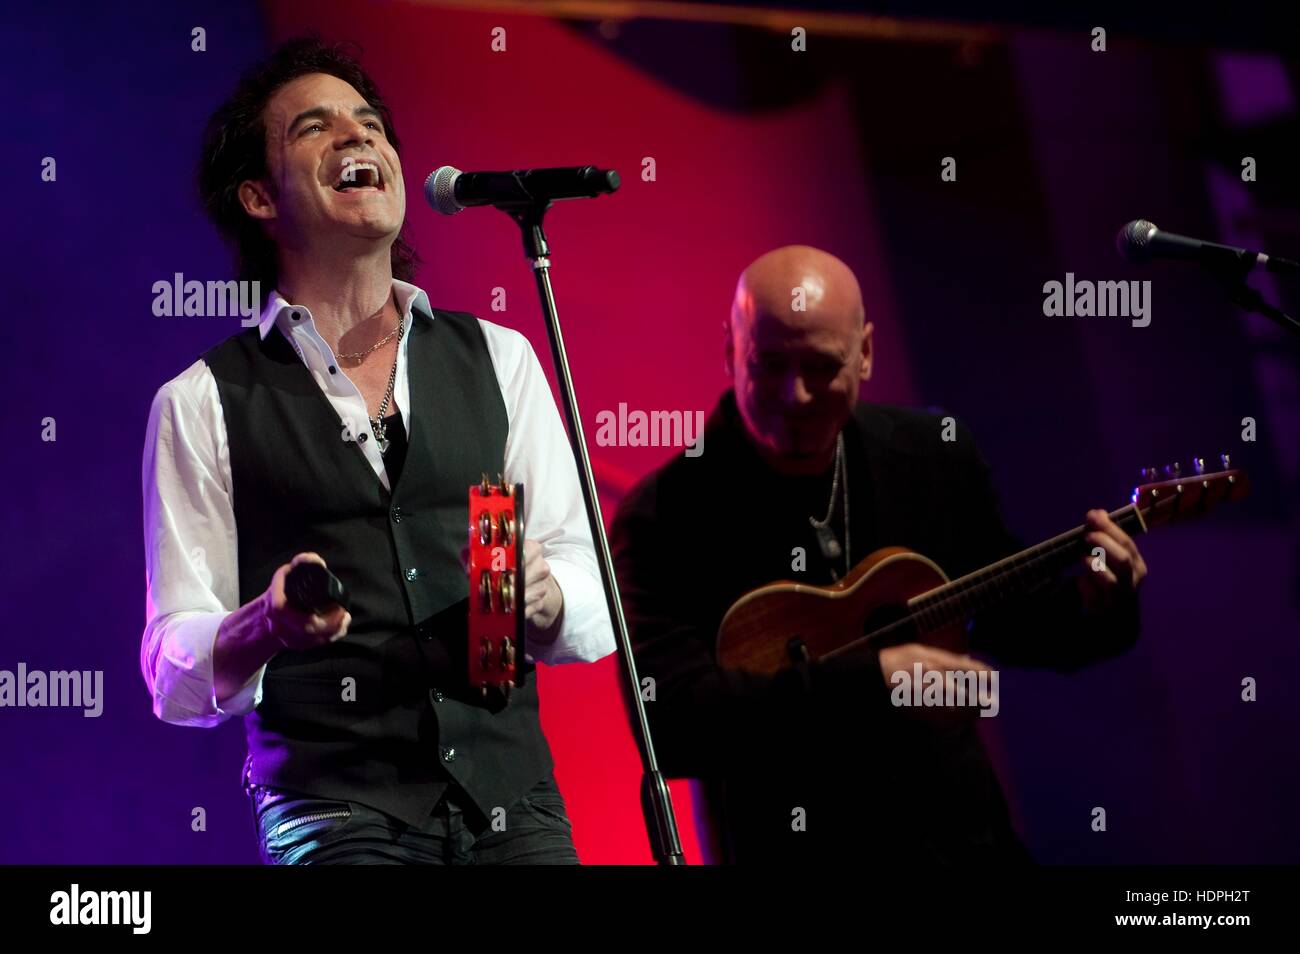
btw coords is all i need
(191, 554)
(538, 455)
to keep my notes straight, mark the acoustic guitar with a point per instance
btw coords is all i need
(896, 595)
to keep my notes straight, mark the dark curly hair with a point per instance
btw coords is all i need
(234, 150)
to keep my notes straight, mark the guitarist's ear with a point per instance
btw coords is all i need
(865, 373)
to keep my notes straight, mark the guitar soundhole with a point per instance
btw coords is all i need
(891, 626)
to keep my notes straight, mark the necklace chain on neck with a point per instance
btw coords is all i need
(835, 484)
(358, 355)
(377, 423)
(825, 535)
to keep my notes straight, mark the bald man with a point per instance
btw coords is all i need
(816, 763)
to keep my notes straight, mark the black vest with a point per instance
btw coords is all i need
(385, 715)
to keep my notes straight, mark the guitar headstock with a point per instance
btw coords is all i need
(496, 584)
(1170, 495)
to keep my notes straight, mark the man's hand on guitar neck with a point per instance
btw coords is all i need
(1110, 579)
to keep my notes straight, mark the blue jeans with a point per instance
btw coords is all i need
(298, 829)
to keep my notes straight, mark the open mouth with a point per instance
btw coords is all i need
(359, 176)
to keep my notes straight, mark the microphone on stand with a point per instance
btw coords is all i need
(1141, 241)
(526, 195)
(449, 190)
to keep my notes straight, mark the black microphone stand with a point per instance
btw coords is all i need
(1231, 268)
(656, 802)
(1249, 299)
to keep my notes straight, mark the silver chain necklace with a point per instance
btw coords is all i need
(377, 423)
(826, 540)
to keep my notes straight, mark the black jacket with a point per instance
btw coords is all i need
(823, 737)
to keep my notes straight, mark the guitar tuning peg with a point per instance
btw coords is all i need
(1226, 461)
(1173, 470)
(1148, 474)
(1198, 465)
(484, 488)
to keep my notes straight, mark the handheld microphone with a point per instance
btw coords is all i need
(1141, 241)
(449, 190)
(310, 588)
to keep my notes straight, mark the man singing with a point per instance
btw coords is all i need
(345, 429)
(815, 764)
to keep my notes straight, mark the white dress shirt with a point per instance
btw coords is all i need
(191, 555)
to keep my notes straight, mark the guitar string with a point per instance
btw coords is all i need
(961, 598)
(980, 582)
(987, 580)
(1050, 549)
(924, 618)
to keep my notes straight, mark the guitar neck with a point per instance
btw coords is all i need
(1016, 576)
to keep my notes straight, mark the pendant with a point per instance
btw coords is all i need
(381, 436)
(828, 544)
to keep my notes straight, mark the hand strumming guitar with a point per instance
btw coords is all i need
(902, 659)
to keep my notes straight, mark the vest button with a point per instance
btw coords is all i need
(411, 574)
(397, 514)
(436, 695)
(449, 753)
